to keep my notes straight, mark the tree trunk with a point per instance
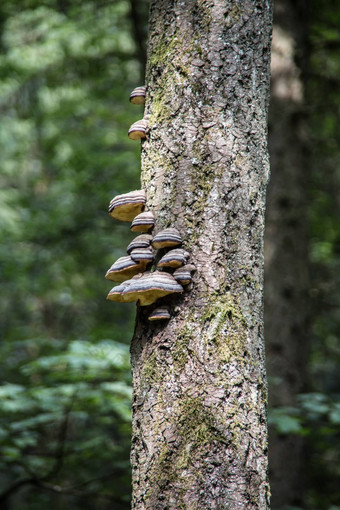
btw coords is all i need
(286, 247)
(199, 417)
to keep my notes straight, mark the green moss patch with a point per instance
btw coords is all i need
(225, 328)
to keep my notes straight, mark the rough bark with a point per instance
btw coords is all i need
(286, 244)
(199, 417)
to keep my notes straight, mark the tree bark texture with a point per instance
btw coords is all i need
(199, 408)
(286, 247)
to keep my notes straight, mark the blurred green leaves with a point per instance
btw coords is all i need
(313, 409)
(77, 405)
(66, 77)
(285, 420)
(66, 71)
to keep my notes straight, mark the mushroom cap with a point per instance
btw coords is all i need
(137, 96)
(142, 254)
(189, 267)
(141, 241)
(143, 222)
(126, 207)
(160, 314)
(174, 258)
(182, 275)
(138, 130)
(124, 268)
(167, 238)
(115, 294)
(152, 286)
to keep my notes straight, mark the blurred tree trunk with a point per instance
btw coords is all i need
(286, 244)
(199, 420)
(138, 18)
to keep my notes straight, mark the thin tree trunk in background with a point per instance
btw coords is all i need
(286, 256)
(138, 17)
(199, 417)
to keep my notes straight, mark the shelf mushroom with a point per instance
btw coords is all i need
(126, 207)
(137, 96)
(143, 222)
(115, 293)
(152, 286)
(138, 130)
(182, 275)
(167, 238)
(124, 268)
(174, 258)
(141, 241)
(159, 314)
(142, 255)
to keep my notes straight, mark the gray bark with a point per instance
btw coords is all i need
(286, 245)
(199, 417)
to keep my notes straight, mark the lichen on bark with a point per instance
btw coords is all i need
(199, 424)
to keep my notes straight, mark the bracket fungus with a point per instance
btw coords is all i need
(126, 207)
(141, 241)
(182, 275)
(150, 287)
(135, 283)
(138, 130)
(124, 268)
(160, 314)
(167, 238)
(142, 255)
(137, 96)
(143, 222)
(174, 258)
(115, 294)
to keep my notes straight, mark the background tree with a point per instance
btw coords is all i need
(300, 321)
(287, 281)
(199, 382)
(320, 407)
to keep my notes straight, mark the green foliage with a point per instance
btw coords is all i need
(313, 407)
(317, 418)
(74, 405)
(66, 70)
(65, 153)
(321, 406)
(285, 420)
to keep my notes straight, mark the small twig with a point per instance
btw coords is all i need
(59, 489)
(138, 33)
(61, 442)
(59, 454)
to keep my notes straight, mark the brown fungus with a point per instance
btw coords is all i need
(141, 241)
(167, 238)
(143, 222)
(159, 314)
(182, 275)
(174, 258)
(151, 287)
(124, 268)
(137, 96)
(142, 255)
(115, 294)
(138, 130)
(126, 207)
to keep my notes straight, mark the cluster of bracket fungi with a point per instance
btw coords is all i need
(155, 266)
